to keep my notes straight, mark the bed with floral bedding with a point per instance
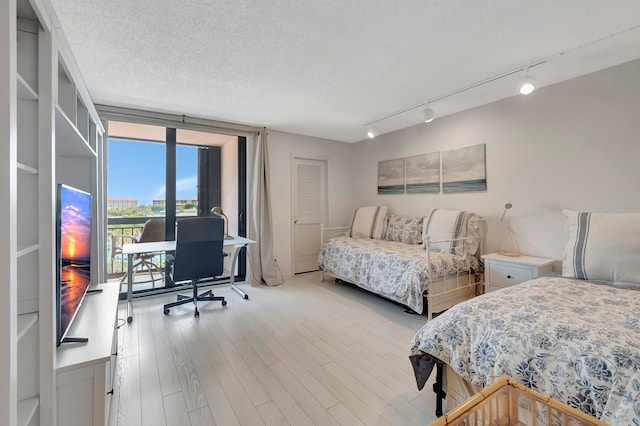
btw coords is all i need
(573, 340)
(398, 271)
(574, 337)
(425, 263)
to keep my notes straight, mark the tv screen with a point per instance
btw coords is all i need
(73, 254)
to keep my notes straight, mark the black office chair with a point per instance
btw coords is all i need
(198, 255)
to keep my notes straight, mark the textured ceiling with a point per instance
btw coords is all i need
(326, 67)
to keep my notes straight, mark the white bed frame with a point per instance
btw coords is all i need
(443, 292)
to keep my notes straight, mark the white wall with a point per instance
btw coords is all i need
(283, 147)
(574, 145)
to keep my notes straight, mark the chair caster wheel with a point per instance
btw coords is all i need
(224, 303)
(197, 314)
(166, 311)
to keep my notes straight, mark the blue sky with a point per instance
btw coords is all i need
(136, 170)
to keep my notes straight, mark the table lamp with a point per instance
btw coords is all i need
(217, 210)
(507, 244)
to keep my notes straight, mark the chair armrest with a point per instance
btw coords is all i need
(116, 249)
(123, 236)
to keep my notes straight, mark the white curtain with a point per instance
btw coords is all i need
(263, 267)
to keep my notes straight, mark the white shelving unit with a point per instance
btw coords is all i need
(49, 133)
(28, 203)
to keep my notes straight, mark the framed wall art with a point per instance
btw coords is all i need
(423, 174)
(391, 176)
(464, 170)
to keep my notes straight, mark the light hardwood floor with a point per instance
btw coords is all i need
(302, 353)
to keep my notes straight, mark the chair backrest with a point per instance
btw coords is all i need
(153, 230)
(199, 254)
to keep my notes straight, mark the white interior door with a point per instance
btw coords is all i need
(309, 195)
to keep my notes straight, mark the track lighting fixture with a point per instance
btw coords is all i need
(427, 113)
(526, 85)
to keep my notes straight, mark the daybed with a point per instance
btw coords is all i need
(426, 264)
(574, 338)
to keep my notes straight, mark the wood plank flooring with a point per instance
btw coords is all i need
(303, 353)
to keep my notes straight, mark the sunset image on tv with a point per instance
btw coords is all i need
(75, 252)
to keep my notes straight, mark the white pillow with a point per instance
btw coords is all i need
(602, 247)
(369, 222)
(446, 225)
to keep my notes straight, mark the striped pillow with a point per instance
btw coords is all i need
(442, 225)
(602, 247)
(369, 222)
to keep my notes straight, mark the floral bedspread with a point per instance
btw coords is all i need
(395, 270)
(575, 341)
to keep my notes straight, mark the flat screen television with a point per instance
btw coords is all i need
(73, 255)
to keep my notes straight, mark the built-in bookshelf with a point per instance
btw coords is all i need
(27, 210)
(49, 133)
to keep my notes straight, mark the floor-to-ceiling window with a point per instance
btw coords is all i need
(157, 173)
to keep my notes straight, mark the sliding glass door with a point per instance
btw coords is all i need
(159, 175)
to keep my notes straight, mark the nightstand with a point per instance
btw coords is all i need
(504, 271)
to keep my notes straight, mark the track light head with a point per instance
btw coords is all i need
(427, 114)
(372, 132)
(527, 85)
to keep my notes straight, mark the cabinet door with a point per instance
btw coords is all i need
(81, 396)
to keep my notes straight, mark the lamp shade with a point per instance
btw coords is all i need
(508, 245)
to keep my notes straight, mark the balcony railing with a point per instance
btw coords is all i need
(123, 230)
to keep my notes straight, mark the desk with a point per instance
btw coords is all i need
(160, 246)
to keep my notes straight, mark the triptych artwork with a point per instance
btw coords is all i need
(458, 170)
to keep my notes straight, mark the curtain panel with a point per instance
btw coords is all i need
(263, 266)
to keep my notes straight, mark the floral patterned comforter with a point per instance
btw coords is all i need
(395, 270)
(575, 341)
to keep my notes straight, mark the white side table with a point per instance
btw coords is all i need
(504, 271)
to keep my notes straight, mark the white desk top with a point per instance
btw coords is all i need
(135, 248)
(238, 241)
(96, 320)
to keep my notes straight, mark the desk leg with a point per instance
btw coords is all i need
(129, 288)
(233, 274)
